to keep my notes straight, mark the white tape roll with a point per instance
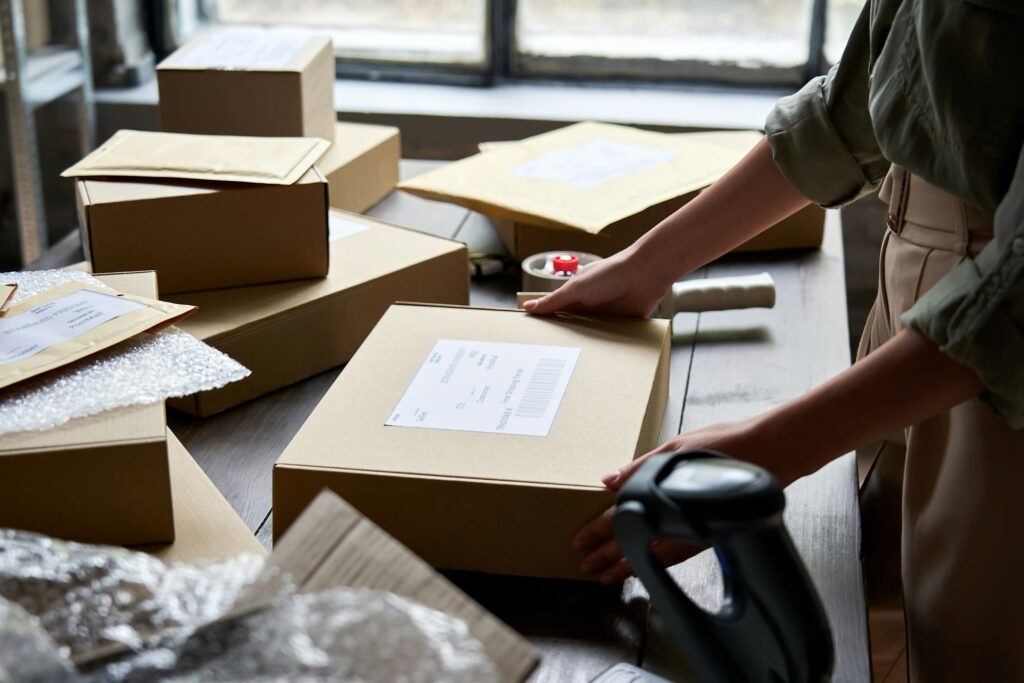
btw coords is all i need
(539, 274)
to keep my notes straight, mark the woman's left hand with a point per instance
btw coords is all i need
(596, 541)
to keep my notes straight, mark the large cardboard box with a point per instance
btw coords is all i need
(200, 234)
(98, 479)
(206, 527)
(289, 331)
(249, 83)
(331, 545)
(506, 498)
(597, 188)
(361, 166)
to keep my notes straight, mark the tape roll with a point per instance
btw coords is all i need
(539, 274)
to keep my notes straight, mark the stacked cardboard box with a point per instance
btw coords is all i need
(98, 479)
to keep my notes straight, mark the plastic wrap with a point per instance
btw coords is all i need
(146, 369)
(89, 598)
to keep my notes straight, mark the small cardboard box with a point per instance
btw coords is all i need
(289, 331)
(361, 166)
(597, 188)
(97, 479)
(505, 502)
(201, 234)
(249, 83)
(207, 528)
(331, 545)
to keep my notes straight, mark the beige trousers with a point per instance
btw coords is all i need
(963, 471)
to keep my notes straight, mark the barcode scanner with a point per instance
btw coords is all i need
(771, 626)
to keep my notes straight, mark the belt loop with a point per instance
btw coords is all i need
(898, 201)
(963, 228)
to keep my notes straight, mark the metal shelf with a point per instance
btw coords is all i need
(29, 82)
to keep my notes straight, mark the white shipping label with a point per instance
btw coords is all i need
(493, 387)
(243, 51)
(594, 163)
(27, 333)
(338, 227)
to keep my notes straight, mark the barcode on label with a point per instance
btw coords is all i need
(543, 382)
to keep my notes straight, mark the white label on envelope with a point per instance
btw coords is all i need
(594, 163)
(231, 50)
(338, 227)
(27, 333)
(493, 387)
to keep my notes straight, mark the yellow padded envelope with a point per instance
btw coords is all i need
(231, 158)
(582, 177)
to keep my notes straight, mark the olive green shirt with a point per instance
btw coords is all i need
(938, 88)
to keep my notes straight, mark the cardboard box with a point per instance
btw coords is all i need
(478, 500)
(361, 166)
(289, 331)
(207, 528)
(331, 545)
(98, 479)
(249, 83)
(597, 188)
(202, 235)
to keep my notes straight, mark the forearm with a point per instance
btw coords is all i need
(903, 383)
(750, 198)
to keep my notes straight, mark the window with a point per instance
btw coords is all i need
(396, 31)
(772, 42)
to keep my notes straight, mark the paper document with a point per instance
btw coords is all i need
(243, 51)
(25, 334)
(493, 387)
(594, 163)
(338, 227)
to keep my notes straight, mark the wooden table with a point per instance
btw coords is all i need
(725, 365)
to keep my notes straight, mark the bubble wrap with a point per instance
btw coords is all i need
(145, 369)
(87, 596)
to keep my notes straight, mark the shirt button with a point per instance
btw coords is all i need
(1018, 246)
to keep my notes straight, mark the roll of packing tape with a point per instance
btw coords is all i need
(549, 270)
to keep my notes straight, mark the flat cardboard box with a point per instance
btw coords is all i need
(501, 503)
(289, 331)
(361, 166)
(204, 235)
(249, 83)
(580, 201)
(331, 545)
(97, 479)
(207, 528)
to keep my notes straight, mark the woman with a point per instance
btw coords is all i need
(926, 103)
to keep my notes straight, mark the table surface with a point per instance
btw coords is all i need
(725, 365)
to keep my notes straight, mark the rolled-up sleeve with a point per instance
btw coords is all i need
(976, 313)
(821, 137)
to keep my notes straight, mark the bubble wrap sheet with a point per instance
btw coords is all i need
(58, 600)
(146, 369)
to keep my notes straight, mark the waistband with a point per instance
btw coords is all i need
(927, 215)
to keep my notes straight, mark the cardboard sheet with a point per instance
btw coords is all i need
(6, 292)
(225, 158)
(572, 178)
(70, 322)
(331, 545)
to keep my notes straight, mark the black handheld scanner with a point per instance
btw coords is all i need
(771, 626)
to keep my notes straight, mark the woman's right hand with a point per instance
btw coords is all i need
(627, 283)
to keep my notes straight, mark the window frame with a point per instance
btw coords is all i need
(504, 62)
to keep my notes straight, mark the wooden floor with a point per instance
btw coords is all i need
(724, 366)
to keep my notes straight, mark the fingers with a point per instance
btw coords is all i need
(599, 560)
(668, 553)
(595, 533)
(615, 480)
(559, 300)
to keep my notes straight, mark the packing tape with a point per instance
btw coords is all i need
(540, 274)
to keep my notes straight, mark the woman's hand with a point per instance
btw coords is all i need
(628, 283)
(601, 553)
